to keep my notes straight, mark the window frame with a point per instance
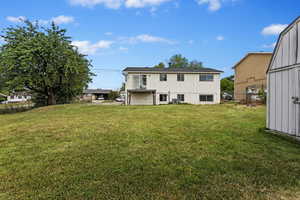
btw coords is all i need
(207, 99)
(163, 77)
(179, 99)
(206, 79)
(180, 77)
(144, 79)
(163, 95)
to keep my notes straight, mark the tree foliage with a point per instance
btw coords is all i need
(113, 95)
(227, 84)
(160, 65)
(42, 60)
(195, 64)
(179, 61)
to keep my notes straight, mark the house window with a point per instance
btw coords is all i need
(180, 77)
(206, 77)
(163, 77)
(144, 80)
(12, 97)
(180, 97)
(207, 98)
(163, 97)
(19, 97)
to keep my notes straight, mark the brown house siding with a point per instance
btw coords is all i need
(250, 72)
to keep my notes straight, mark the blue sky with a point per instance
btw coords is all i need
(120, 33)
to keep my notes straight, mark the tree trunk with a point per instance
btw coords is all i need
(51, 98)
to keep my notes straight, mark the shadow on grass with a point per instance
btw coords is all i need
(280, 136)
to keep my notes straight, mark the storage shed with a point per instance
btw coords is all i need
(283, 76)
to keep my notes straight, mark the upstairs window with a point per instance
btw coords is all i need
(163, 77)
(206, 77)
(163, 97)
(206, 98)
(144, 80)
(180, 77)
(180, 97)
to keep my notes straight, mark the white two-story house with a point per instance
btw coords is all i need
(154, 86)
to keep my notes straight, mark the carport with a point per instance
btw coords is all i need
(141, 97)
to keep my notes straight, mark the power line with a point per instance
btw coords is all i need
(106, 69)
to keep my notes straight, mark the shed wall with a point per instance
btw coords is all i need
(282, 110)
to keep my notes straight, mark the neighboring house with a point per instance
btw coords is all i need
(283, 101)
(250, 75)
(95, 94)
(152, 86)
(18, 97)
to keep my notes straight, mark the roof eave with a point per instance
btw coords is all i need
(251, 53)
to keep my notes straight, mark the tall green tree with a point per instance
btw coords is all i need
(178, 61)
(227, 84)
(160, 65)
(43, 60)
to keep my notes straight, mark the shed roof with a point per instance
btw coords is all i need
(182, 69)
(286, 30)
(96, 91)
(249, 54)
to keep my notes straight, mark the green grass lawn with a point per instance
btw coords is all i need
(145, 152)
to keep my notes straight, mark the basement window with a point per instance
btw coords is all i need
(163, 97)
(180, 97)
(206, 98)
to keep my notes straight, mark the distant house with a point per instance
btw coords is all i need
(153, 86)
(95, 94)
(18, 97)
(250, 75)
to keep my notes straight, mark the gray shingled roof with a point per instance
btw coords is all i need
(152, 69)
(96, 91)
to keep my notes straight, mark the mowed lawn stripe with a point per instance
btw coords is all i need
(145, 152)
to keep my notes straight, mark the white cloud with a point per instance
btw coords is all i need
(1, 40)
(269, 46)
(86, 47)
(143, 3)
(274, 29)
(213, 5)
(145, 38)
(123, 49)
(16, 19)
(43, 22)
(62, 19)
(220, 38)
(114, 4)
